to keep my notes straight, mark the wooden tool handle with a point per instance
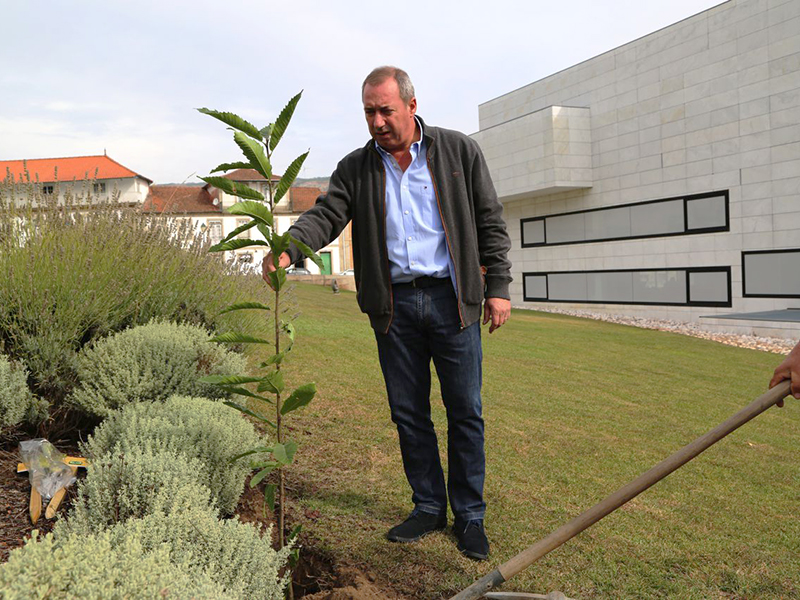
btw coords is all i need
(566, 532)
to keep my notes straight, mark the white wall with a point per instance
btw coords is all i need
(710, 103)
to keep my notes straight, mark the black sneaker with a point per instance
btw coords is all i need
(472, 541)
(416, 526)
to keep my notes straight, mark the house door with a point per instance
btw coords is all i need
(326, 262)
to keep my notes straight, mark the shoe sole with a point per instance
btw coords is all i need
(473, 555)
(403, 540)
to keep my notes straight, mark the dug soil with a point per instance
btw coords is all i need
(317, 576)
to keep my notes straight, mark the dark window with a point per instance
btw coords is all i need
(771, 273)
(689, 286)
(700, 213)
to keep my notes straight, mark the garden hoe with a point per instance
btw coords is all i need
(583, 521)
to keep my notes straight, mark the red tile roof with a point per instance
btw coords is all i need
(180, 199)
(248, 175)
(67, 169)
(303, 198)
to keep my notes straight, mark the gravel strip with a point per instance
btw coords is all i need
(766, 344)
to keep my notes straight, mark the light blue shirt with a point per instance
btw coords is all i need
(415, 236)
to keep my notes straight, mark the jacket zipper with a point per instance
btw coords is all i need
(446, 235)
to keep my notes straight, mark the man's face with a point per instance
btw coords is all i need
(390, 120)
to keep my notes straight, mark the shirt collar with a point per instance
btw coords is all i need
(415, 147)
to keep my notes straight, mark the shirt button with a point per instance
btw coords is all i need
(405, 212)
(410, 238)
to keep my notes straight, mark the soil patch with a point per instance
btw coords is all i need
(316, 577)
(15, 493)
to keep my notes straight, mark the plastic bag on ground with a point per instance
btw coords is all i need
(46, 469)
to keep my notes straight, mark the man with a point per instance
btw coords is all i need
(429, 246)
(789, 369)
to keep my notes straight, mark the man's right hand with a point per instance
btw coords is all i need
(269, 265)
(789, 369)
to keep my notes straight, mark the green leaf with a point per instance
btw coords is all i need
(254, 152)
(295, 532)
(289, 176)
(247, 411)
(307, 251)
(232, 337)
(234, 188)
(244, 306)
(232, 166)
(277, 278)
(256, 479)
(264, 231)
(272, 383)
(275, 359)
(289, 330)
(299, 398)
(280, 243)
(234, 121)
(291, 449)
(281, 454)
(235, 245)
(254, 210)
(259, 450)
(228, 379)
(245, 392)
(280, 125)
(269, 496)
(240, 229)
(266, 132)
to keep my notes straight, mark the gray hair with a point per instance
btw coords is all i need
(381, 74)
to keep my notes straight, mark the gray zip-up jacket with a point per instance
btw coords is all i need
(471, 214)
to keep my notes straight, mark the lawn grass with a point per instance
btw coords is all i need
(574, 409)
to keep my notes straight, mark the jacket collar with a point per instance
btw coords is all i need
(428, 131)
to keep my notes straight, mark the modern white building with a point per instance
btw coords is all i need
(662, 178)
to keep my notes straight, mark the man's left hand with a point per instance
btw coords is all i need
(496, 310)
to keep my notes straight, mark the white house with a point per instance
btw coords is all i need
(97, 176)
(662, 178)
(207, 206)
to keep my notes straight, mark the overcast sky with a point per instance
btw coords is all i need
(80, 77)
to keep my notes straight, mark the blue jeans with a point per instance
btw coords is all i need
(426, 326)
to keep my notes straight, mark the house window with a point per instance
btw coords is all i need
(700, 213)
(689, 286)
(215, 231)
(48, 190)
(245, 235)
(100, 188)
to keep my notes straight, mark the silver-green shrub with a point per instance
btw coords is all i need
(233, 553)
(134, 484)
(150, 363)
(92, 568)
(15, 397)
(199, 428)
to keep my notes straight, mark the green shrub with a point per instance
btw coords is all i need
(91, 568)
(235, 555)
(150, 363)
(68, 278)
(132, 485)
(16, 399)
(200, 428)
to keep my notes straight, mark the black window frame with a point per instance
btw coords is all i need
(687, 271)
(744, 272)
(686, 230)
